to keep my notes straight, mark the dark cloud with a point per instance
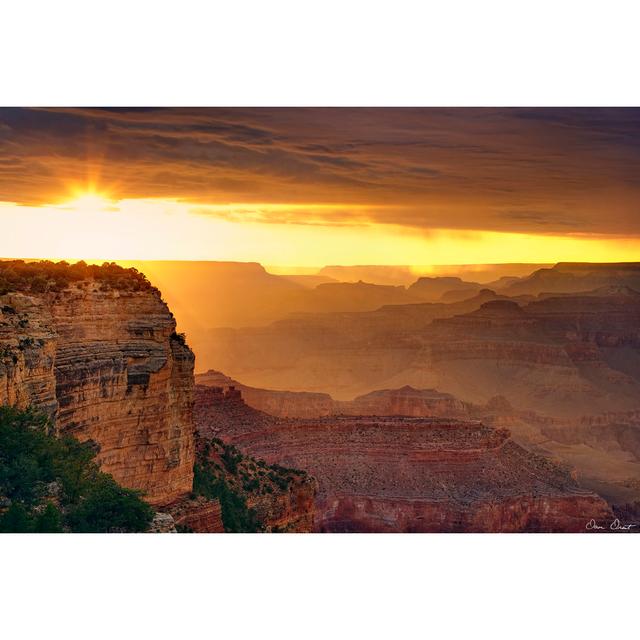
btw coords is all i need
(537, 170)
(541, 219)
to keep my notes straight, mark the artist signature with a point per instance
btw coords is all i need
(616, 525)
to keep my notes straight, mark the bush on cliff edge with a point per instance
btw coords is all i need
(50, 484)
(236, 516)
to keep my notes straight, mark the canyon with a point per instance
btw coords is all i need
(402, 474)
(565, 355)
(602, 449)
(100, 356)
(490, 413)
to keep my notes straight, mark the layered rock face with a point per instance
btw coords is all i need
(27, 353)
(405, 401)
(399, 474)
(282, 498)
(410, 474)
(292, 510)
(106, 364)
(198, 515)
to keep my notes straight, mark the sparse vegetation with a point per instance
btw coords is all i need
(50, 484)
(44, 276)
(236, 516)
(230, 458)
(223, 472)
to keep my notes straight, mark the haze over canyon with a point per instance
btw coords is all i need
(446, 403)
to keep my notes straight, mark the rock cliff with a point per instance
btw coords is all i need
(101, 357)
(96, 349)
(284, 404)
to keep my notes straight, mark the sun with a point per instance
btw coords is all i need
(89, 202)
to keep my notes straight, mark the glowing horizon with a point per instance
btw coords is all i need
(92, 227)
(303, 188)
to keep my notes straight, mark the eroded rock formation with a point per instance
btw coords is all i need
(277, 498)
(405, 401)
(96, 348)
(106, 364)
(408, 474)
(198, 515)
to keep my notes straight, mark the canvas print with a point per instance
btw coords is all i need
(325, 320)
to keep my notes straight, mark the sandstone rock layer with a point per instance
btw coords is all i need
(107, 365)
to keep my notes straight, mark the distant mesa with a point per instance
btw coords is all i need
(439, 288)
(567, 277)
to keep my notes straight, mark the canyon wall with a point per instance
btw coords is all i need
(410, 475)
(563, 355)
(284, 404)
(27, 353)
(106, 364)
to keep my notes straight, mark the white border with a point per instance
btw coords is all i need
(319, 586)
(329, 52)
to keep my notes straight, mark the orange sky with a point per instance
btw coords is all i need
(310, 187)
(92, 228)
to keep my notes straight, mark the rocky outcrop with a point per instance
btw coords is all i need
(405, 401)
(125, 380)
(409, 474)
(197, 515)
(290, 510)
(276, 403)
(163, 523)
(104, 361)
(434, 289)
(96, 349)
(189, 515)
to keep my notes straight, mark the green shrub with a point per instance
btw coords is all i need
(236, 516)
(49, 521)
(44, 275)
(111, 508)
(16, 520)
(34, 464)
(230, 458)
